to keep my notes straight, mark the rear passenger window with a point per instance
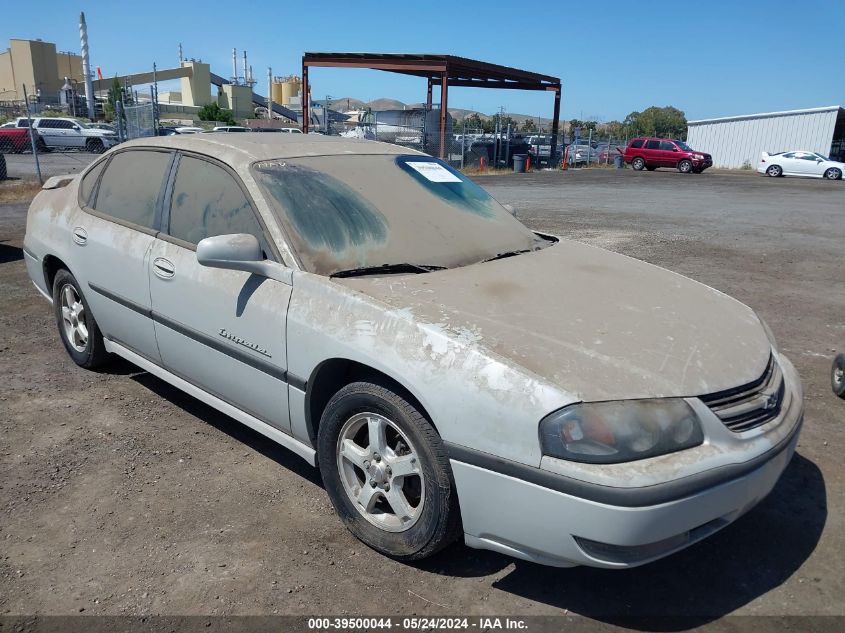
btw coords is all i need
(86, 187)
(208, 201)
(637, 144)
(131, 185)
(666, 145)
(652, 145)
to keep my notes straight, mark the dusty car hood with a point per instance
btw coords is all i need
(598, 324)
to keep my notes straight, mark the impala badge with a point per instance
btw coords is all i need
(237, 339)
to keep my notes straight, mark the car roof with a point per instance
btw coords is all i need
(234, 148)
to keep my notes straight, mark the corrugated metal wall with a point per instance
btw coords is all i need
(735, 142)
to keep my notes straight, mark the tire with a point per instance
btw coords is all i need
(41, 146)
(81, 337)
(685, 166)
(429, 517)
(638, 163)
(833, 174)
(95, 146)
(774, 171)
(2, 167)
(837, 375)
(5, 146)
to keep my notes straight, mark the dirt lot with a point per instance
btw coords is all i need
(120, 495)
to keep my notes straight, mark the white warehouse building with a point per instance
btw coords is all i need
(738, 141)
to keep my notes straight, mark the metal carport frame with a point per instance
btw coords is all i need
(447, 70)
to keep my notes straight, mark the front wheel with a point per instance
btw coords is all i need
(833, 174)
(685, 166)
(77, 328)
(387, 473)
(638, 164)
(837, 375)
(774, 171)
(95, 146)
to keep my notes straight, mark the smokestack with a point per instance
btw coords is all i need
(251, 80)
(86, 65)
(269, 93)
(246, 70)
(234, 65)
(181, 57)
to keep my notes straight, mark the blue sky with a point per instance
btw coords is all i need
(709, 59)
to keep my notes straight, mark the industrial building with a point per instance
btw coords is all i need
(38, 66)
(737, 141)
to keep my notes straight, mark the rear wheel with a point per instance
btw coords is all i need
(837, 375)
(774, 171)
(638, 163)
(833, 174)
(77, 328)
(387, 473)
(685, 166)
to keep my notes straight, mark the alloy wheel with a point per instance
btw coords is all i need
(73, 318)
(380, 471)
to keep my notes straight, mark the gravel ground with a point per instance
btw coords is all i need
(121, 495)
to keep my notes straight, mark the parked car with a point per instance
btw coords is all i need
(108, 127)
(16, 140)
(167, 130)
(188, 129)
(380, 315)
(837, 375)
(605, 153)
(230, 128)
(796, 163)
(65, 133)
(8, 124)
(651, 153)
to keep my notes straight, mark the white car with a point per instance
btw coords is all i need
(188, 129)
(451, 372)
(67, 133)
(797, 163)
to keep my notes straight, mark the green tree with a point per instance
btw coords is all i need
(213, 112)
(116, 93)
(528, 125)
(666, 122)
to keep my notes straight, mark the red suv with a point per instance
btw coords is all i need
(651, 153)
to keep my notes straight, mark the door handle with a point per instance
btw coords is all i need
(80, 235)
(163, 268)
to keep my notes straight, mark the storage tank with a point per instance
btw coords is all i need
(415, 128)
(285, 88)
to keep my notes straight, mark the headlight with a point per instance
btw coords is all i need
(620, 431)
(698, 157)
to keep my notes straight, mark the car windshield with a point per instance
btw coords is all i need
(361, 211)
(683, 146)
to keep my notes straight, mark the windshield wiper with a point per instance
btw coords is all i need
(387, 269)
(509, 254)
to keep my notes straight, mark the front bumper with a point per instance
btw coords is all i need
(617, 527)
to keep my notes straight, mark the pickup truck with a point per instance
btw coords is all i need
(66, 133)
(16, 139)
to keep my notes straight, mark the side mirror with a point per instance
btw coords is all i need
(240, 251)
(509, 208)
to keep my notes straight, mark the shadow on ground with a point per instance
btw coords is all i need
(691, 588)
(10, 253)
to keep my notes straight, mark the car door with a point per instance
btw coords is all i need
(222, 330)
(114, 238)
(50, 132)
(652, 153)
(807, 164)
(668, 154)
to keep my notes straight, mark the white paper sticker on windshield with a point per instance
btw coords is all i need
(434, 172)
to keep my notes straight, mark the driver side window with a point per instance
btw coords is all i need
(208, 201)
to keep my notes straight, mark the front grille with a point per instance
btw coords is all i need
(752, 405)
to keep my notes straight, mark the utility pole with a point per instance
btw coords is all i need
(269, 93)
